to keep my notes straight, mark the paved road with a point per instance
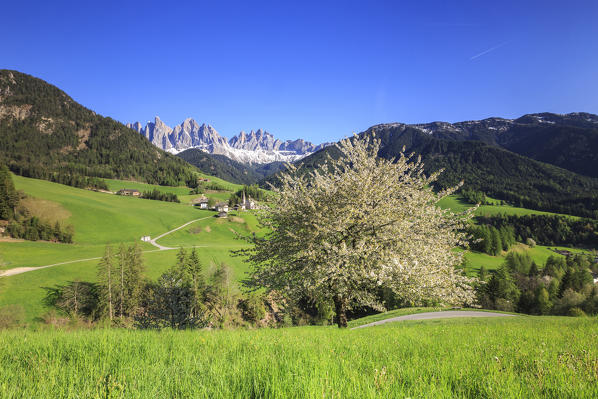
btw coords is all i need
(19, 270)
(437, 315)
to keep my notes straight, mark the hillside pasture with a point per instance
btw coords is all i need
(102, 218)
(457, 204)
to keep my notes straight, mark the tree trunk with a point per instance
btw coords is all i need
(122, 285)
(110, 291)
(341, 311)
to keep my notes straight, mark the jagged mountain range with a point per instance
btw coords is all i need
(255, 147)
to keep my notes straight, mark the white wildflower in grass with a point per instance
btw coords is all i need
(357, 224)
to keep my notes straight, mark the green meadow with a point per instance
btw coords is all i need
(100, 219)
(515, 357)
(456, 204)
(181, 192)
(476, 259)
(539, 254)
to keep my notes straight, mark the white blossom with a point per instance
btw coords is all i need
(358, 223)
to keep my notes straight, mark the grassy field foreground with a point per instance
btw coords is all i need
(522, 357)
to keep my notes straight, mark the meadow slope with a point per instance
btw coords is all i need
(102, 218)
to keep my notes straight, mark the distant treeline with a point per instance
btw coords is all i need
(158, 195)
(34, 229)
(202, 186)
(492, 240)
(474, 197)
(562, 287)
(547, 229)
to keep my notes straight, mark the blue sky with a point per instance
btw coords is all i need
(316, 70)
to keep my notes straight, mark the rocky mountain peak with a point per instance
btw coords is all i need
(257, 146)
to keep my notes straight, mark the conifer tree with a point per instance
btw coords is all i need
(106, 279)
(122, 267)
(133, 278)
(496, 242)
(486, 244)
(8, 195)
(195, 272)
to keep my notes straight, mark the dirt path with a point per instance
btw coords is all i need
(163, 248)
(19, 270)
(437, 315)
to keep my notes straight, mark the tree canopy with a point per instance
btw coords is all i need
(356, 225)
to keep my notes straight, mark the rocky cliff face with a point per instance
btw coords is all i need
(261, 140)
(256, 147)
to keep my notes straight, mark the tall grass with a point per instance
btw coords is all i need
(523, 357)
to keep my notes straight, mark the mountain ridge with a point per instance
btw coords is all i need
(569, 141)
(482, 165)
(255, 147)
(47, 135)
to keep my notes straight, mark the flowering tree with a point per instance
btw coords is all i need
(355, 225)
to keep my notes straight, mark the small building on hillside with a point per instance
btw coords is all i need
(129, 192)
(246, 203)
(222, 214)
(146, 239)
(221, 207)
(201, 202)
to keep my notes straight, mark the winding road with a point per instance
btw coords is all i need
(19, 270)
(437, 315)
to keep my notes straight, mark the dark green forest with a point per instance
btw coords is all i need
(499, 173)
(44, 134)
(546, 229)
(228, 169)
(561, 287)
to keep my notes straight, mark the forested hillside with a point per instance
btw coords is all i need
(46, 135)
(228, 169)
(483, 167)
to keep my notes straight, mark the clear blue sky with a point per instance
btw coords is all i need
(317, 70)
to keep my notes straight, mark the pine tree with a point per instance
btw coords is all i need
(8, 195)
(122, 267)
(486, 240)
(483, 273)
(181, 258)
(106, 278)
(195, 272)
(497, 246)
(133, 278)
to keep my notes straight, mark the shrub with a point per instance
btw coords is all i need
(569, 300)
(504, 305)
(252, 308)
(576, 312)
(530, 242)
